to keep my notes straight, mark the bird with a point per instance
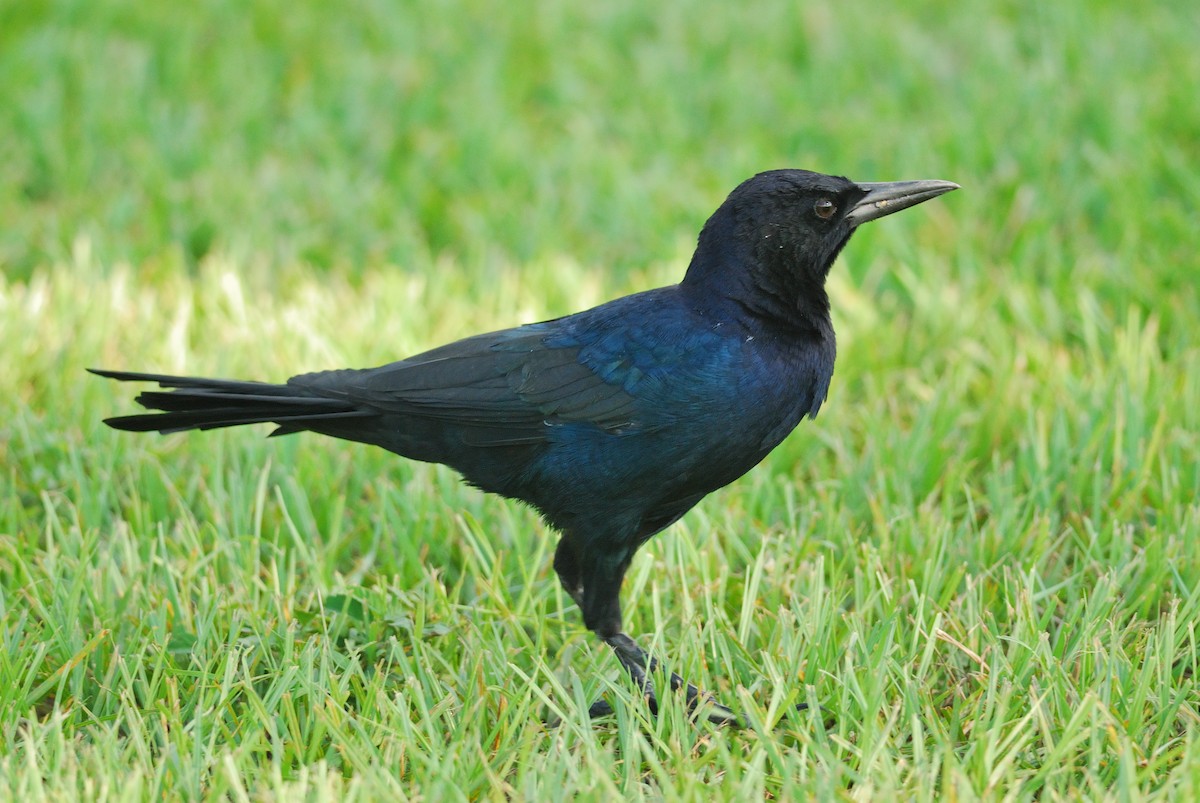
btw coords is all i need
(612, 422)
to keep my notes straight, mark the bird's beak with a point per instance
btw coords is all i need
(886, 197)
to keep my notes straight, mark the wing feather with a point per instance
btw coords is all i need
(504, 388)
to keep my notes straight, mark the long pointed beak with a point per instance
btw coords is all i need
(885, 197)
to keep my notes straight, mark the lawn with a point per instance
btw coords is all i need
(980, 565)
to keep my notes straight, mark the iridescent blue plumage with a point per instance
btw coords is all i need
(615, 421)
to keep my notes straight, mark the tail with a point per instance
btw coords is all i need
(197, 403)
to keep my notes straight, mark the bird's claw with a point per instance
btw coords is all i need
(712, 710)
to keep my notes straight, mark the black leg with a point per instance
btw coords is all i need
(638, 663)
(566, 566)
(595, 587)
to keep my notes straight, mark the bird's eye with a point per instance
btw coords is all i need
(825, 208)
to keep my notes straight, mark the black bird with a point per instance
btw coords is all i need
(615, 421)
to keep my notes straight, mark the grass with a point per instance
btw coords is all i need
(982, 560)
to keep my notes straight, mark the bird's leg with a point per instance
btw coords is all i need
(596, 591)
(566, 566)
(638, 662)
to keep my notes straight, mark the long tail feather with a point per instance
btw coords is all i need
(199, 403)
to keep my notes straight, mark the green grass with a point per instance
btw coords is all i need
(982, 560)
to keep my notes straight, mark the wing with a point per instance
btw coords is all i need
(502, 388)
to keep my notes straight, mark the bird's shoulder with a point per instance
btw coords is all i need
(644, 337)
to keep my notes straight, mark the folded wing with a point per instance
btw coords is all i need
(503, 388)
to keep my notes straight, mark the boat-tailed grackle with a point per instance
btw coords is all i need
(615, 421)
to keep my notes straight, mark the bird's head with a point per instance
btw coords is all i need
(774, 239)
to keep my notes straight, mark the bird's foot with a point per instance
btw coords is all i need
(638, 663)
(702, 702)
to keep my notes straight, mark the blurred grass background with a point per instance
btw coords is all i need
(982, 558)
